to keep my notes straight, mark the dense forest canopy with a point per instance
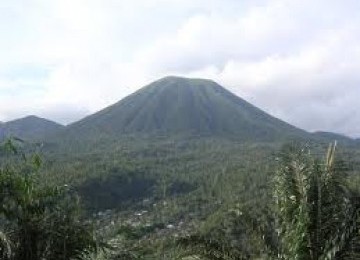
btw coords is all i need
(138, 181)
(179, 130)
(169, 200)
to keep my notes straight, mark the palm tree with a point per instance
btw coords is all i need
(38, 222)
(315, 214)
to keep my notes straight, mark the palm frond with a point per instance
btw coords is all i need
(5, 246)
(209, 249)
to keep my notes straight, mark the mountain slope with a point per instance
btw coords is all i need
(331, 137)
(178, 106)
(29, 128)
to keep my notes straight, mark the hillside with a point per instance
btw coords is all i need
(146, 191)
(182, 106)
(330, 137)
(29, 128)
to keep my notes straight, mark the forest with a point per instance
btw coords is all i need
(181, 169)
(179, 130)
(173, 199)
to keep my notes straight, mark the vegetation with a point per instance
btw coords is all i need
(209, 198)
(231, 200)
(181, 170)
(29, 128)
(315, 210)
(175, 106)
(38, 222)
(315, 214)
(214, 196)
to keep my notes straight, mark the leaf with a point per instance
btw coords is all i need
(37, 161)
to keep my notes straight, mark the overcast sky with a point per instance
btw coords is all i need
(296, 59)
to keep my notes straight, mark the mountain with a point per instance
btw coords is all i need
(183, 106)
(29, 128)
(331, 137)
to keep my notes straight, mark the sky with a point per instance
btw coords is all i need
(298, 60)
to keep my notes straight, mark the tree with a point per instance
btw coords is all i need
(36, 221)
(315, 214)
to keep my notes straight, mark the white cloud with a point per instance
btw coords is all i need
(297, 59)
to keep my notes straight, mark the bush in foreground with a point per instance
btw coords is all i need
(36, 221)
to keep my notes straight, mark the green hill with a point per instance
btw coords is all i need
(29, 128)
(331, 137)
(182, 106)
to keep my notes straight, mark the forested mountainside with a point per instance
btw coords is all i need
(29, 128)
(183, 106)
(184, 169)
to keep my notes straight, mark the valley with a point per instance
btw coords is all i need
(178, 158)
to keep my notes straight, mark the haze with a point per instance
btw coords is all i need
(298, 60)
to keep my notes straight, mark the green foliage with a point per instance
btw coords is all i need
(175, 106)
(192, 156)
(29, 128)
(315, 215)
(316, 219)
(209, 249)
(38, 222)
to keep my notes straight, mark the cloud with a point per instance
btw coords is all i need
(298, 60)
(308, 78)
